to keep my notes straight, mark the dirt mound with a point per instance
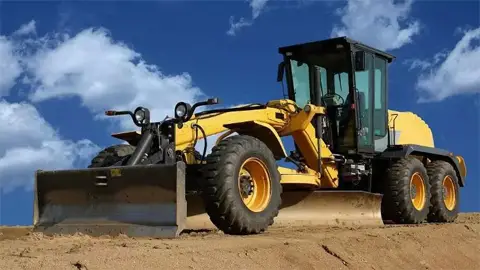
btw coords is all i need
(446, 246)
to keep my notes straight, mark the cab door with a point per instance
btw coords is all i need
(363, 87)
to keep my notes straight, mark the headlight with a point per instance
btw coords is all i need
(181, 110)
(140, 115)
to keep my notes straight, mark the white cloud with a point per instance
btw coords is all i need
(377, 23)
(26, 29)
(105, 74)
(426, 64)
(10, 67)
(236, 26)
(257, 7)
(450, 73)
(28, 143)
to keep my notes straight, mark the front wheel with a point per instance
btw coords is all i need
(241, 186)
(112, 155)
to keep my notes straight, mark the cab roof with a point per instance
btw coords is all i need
(332, 43)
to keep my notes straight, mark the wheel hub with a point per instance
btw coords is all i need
(417, 191)
(254, 184)
(246, 185)
(449, 196)
(413, 192)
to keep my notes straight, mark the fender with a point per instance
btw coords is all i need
(132, 137)
(400, 151)
(262, 131)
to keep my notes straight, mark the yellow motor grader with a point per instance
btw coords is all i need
(354, 161)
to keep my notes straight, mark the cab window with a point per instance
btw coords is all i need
(301, 83)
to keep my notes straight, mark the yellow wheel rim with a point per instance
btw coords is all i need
(254, 184)
(417, 191)
(449, 193)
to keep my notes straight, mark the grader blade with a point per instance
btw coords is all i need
(331, 208)
(135, 201)
(316, 208)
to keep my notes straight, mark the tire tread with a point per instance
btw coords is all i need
(225, 209)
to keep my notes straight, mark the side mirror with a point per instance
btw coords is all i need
(359, 60)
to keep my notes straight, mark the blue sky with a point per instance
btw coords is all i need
(63, 63)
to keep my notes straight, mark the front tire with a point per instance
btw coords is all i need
(233, 204)
(111, 155)
(406, 197)
(445, 192)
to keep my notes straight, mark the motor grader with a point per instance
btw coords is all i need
(354, 161)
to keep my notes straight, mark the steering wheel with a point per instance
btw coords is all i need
(333, 99)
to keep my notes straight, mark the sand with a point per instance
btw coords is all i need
(427, 246)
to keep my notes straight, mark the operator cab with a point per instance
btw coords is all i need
(350, 80)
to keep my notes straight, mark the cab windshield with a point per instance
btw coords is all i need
(334, 83)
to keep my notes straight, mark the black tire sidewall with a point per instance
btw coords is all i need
(437, 171)
(398, 205)
(220, 188)
(111, 155)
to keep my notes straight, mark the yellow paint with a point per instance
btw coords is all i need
(262, 131)
(450, 199)
(280, 118)
(284, 118)
(254, 171)
(115, 172)
(303, 133)
(291, 176)
(418, 187)
(264, 124)
(412, 128)
(215, 123)
(462, 167)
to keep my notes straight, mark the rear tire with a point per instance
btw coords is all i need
(222, 190)
(406, 197)
(445, 192)
(111, 155)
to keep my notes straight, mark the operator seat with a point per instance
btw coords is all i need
(347, 119)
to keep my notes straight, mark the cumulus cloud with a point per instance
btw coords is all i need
(450, 73)
(377, 23)
(105, 74)
(101, 72)
(28, 143)
(257, 7)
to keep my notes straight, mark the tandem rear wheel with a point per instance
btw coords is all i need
(407, 192)
(445, 192)
(241, 185)
(415, 193)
